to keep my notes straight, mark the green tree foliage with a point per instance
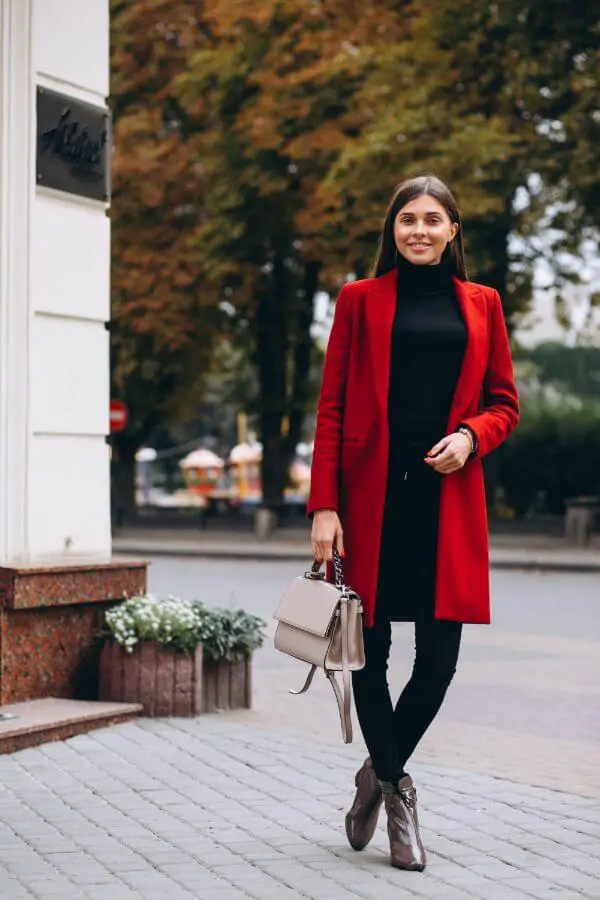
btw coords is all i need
(553, 455)
(575, 371)
(499, 99)
(555, 72)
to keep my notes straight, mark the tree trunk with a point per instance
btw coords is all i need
(271, 360)
(123, 505)
(303, 346)
(283, 349)
(495, 273)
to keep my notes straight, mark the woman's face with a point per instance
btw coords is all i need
(422, 229)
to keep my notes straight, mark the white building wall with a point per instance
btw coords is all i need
(71, 45)
(56, 381)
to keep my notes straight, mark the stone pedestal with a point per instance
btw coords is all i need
(56, 572)
(50, 618)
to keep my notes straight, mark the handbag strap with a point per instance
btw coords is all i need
(344, 701)
(338, 571)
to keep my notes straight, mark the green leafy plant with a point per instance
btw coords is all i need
(181, 625)
(229, 633)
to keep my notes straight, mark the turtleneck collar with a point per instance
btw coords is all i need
(423, 279)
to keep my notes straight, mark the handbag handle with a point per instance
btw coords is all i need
(338, 572)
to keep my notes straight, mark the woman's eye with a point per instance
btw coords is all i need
(428, 221)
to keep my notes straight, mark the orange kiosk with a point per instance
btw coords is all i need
(244, 461)
(202, 470)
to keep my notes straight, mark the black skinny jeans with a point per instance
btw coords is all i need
(391, 734)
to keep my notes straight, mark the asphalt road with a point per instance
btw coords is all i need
(566, 604)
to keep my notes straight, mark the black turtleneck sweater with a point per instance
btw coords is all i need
(428, 343)
(427, 347)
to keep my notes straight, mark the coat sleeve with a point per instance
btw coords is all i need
(500, 413)
(325, 470)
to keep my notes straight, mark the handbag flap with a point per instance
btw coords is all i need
(308, 604)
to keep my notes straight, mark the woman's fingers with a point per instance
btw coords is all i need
(323, 545)
(321, 548)
(448, 461)
(326, 550)
(327, 533)
(339, 540)
(440, 446)
(449, 455)
(446, 468)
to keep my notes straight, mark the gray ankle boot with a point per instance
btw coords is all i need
(406, 847)
(361, 820)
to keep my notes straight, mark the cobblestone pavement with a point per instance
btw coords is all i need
(215, 809)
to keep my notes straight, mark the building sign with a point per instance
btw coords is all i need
(73, 145)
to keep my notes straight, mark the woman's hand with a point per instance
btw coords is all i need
(450, 454)
(326, 534)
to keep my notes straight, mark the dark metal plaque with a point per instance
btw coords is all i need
(73, 145)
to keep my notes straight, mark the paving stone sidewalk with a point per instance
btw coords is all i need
(211, 809)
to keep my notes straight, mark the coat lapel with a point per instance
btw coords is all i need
(380, 315)
(474, 312)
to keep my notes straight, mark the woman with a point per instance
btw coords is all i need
(417, 387)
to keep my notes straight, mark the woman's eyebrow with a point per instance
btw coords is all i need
(411, 215)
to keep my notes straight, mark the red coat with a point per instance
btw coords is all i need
(350, 461)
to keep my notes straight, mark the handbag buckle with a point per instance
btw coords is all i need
(315, 576)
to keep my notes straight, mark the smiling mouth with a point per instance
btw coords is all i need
(419, 246)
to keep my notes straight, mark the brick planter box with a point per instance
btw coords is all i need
(227, 685)
(170, 683)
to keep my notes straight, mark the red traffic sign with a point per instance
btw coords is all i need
(118, 416)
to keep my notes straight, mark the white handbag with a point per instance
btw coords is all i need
(321, 623)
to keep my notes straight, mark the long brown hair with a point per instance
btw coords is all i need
(425, 183)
